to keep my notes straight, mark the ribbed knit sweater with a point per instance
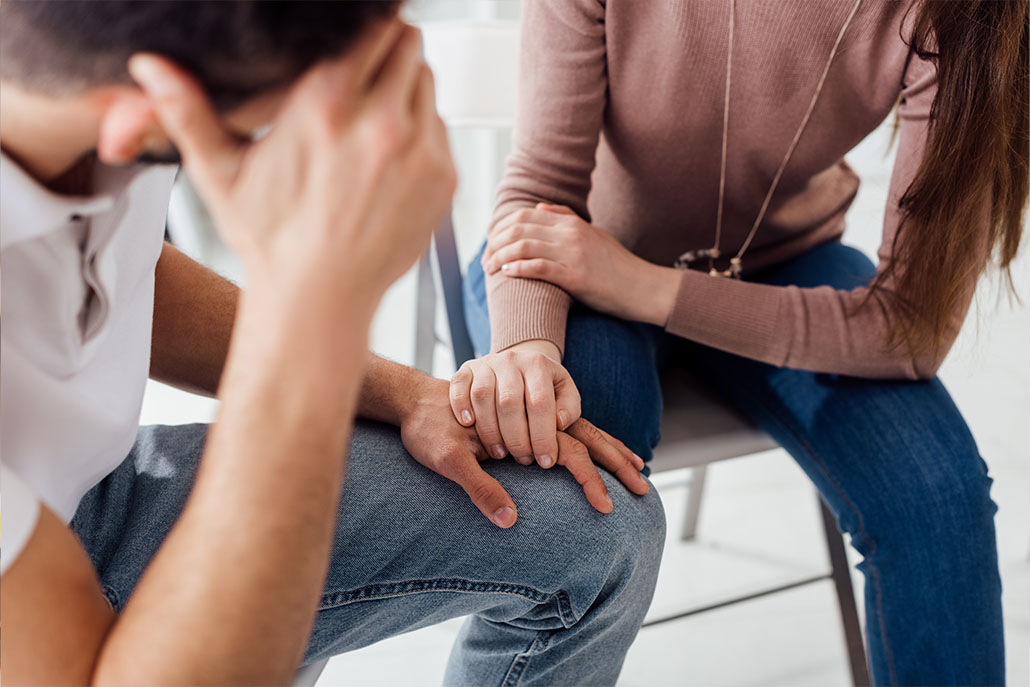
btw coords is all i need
(620, 119)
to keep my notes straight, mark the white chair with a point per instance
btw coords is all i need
(475, 64)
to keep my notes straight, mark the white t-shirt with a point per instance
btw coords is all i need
(76, 303)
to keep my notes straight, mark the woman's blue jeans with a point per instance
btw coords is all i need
(894, 460)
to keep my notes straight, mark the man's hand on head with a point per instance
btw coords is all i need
(340, 197)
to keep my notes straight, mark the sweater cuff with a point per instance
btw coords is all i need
(525, 309)
(731, 315)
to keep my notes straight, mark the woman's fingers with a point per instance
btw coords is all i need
(511, 412)
(541, 412)
(559, 209)
(537, 268)
(503, 236)
(482, 392)
(610, 454)
(576, 459)
(522, 249)
(459, 395)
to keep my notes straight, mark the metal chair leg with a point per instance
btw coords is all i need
(694, 491)
(841, 576)
(425, 315)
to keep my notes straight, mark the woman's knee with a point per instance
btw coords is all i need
(933, 508)
(613, 363)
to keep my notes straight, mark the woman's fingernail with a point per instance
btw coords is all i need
(505, 517)
(466, 417)
(639, 460)
(545, 461)
(498, 451)
(608, 499)
(506, 267)
(524, 460)
(563, 419)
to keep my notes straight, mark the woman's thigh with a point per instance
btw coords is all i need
(870, 445)
(898, 465)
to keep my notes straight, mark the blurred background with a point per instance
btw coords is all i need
(759, 525)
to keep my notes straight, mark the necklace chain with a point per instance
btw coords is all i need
(714, 252)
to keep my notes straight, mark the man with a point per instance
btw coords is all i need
(287, 532)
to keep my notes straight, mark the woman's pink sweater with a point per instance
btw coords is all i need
(620, 119)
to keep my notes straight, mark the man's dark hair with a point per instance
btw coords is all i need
(237, 49)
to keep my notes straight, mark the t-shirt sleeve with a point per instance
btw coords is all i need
(19, 512)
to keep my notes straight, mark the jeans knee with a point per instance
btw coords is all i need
(633, 535)
(946, 512)
(613, 365)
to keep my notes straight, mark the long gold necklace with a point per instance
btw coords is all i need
(712, 254)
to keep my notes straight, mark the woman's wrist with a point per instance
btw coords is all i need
(657, 294)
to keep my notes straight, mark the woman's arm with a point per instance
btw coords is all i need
(820, 329)
(823, 329)
(562, 95)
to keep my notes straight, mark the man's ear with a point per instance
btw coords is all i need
(128, 125)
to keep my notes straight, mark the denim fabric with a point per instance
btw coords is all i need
(555, 600)
(894, 460)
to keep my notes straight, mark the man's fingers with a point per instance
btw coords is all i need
(575, 458)
(566, 397)
(625, 450)
(541, 414)
(604, 451)
(372, 49)
(399, 74)
(210, 153)
(459, 395)
(486, 492)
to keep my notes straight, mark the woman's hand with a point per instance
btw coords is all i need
(436, 441)
(553, 244)
(517, 400)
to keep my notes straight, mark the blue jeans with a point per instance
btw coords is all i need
(557, 599)
(894, 460)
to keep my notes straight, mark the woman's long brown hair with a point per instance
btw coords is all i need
(975, 165)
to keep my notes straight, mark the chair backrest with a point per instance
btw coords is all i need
(476, 69)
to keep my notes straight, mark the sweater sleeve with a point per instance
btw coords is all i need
(823, 329)
(561, 101)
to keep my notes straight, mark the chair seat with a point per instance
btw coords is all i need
(699, 428)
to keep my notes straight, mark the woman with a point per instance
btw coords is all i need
(678, 172)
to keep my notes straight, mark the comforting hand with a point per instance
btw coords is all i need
(343, 192)
(517, 400)
(553, 244)
(435, 440)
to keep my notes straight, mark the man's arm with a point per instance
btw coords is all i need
(194, 310)
(232, 592)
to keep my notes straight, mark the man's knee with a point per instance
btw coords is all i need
(590, 555)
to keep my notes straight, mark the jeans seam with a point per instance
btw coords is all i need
(521, 661)
(395, 589)
(787, 426)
